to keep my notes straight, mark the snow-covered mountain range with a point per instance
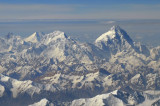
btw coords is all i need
(54, 69)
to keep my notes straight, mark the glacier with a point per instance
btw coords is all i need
(54, 69)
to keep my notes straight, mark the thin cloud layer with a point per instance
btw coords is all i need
(75, 11)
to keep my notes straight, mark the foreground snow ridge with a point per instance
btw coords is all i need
(100, 100)
(43, 102)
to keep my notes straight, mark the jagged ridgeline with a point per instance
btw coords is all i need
(54, 69)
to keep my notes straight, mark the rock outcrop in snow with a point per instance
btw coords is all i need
(43, 65)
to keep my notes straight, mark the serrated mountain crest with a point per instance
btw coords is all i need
(54, 37)
(58, 65)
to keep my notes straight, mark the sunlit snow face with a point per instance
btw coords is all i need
(145, 31)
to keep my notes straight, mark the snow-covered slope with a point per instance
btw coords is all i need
(43, 65)
(114, 33)
(100, 100)
(55, 36)
(54, 49)
(17, 87)
(11, 43)
(35, 37)
(43, 102)
(115, 40)
(120, 98)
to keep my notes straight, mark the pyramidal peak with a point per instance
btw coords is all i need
(115, 40)
(108, 35)
(34, 38)
(114, 33)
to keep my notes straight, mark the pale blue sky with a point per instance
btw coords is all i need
(79, 9)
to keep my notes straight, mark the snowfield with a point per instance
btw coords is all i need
(54, 69)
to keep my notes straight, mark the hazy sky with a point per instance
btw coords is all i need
(79, 9)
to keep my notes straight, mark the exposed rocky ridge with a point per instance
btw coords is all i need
(120, 98)
(113, 62)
